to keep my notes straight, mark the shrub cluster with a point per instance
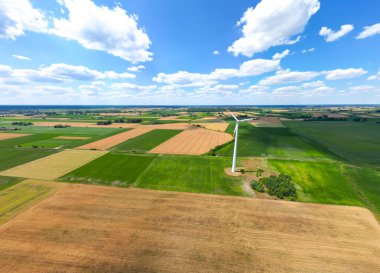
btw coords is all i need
(61, 126)
(21, 123)
(280, 186)
(130, 120)
(257, 186)
(107, 122)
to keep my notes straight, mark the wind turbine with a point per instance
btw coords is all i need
(236, 139)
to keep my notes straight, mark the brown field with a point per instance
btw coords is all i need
(217, 126)
(53, 166)
(72, 137)
(85, 124)
(267, 122)
(83, 228)
(194, 141)
(4, 136)
(106, 143)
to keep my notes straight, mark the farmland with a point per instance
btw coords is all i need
(135, 197)
(143, 231)
(175, 173)
(358, 142)
(147, 141)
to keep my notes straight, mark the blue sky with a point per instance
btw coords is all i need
(165, 52)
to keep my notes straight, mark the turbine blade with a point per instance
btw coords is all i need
(233, 116)
(247, 119)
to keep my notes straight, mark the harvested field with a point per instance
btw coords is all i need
(53, 166)
(4, 136)
(267, 122)
(194, 141)
(85, 228)
(114, 140)
(71, 137)
(23, 195)
(85, 124)
(221, 127)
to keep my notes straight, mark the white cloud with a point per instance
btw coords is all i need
(371, 78)
(20, 57)
(137, 68)
(216, 52)
(279, 56)
(308, 50)
(339, 74)
(248, 68)
(272, 23)
(56, 73)
(331, 36)
(287, 76)
(18, 16)
(132, 87)
(105, 29)
(363, 88)
(369, 31)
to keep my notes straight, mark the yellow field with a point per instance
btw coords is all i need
(23, 195)
(4, 136)
(53, 166)
(217, 126)
(83, 228)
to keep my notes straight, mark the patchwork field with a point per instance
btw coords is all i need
(147, 141)
(114, 140)
(355, 141)
(156, 231)
(21, 196)
(194, 141)
(267, 122)
(4, 136)
(53, 166)
(85, 124)
(10, 157)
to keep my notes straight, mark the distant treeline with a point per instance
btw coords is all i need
(129, 120)
(327, 118)
(21, 123)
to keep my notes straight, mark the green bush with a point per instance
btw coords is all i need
(257, 186)
(280, 186)
(107, 122)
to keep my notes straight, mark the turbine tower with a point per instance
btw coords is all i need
(236, 140)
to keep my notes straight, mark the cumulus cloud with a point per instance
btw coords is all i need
(272, 23)
(308, 50)
(369, 31)
(248, 68)
(371, 78)
(56, 73)
(281, 55)
(105, 29)
(216, 52)
(339, 74)
(287, 76)
(331, 36)
(19, 16)
(132, 87)
(137, 68)
(20, 57)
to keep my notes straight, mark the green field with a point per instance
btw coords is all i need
(319, 182)
(358, 142)
(115, 169)
(272, 142)
(146, 141)
(176, 173)
(190, 174)
(11, 157)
